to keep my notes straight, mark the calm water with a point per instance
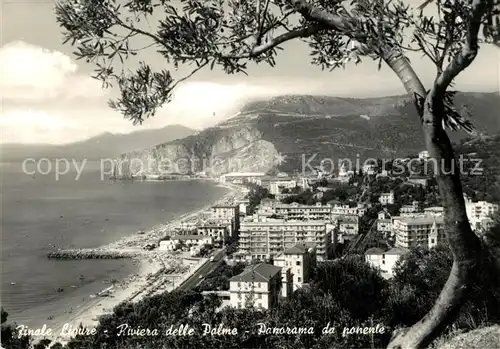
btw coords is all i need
(39, 212)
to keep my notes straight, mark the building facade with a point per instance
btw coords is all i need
(258, 286)
(263, 238)
(413, 231)
(296, 264)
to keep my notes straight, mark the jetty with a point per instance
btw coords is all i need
(92, 253)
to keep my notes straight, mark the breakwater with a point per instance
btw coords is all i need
(91, 254)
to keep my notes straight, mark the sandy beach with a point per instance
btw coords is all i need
(158, 271)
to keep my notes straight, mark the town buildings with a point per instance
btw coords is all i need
(296, 211)
(419, 230)
(387, 198)
(276, 186)
(262, 237)
(257, 286)
(480, 214)
(187, 240)
(384, 261)
(240, 177)
(218, 231)
(226, 214)
(296, 264)
(348, 224)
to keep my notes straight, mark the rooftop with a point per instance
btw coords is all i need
(374, 250)
(190, 237)
(398, 251)
(259, 273)
(426, 219)
(299, 249)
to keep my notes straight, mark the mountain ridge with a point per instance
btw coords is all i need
(103, 145)
(328, 127)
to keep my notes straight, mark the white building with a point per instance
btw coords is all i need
(410, 209)
(384, 261)
(263, 238)
(295, 211)
(190, 240)
(218, 231)
(384, 225)
(224, 214)
(258, 286)
(423, 155)
(480, 214)
(413, 231)
(240, 177)
(296, 265)
(276, 186)
(387, 198)
(243, 206)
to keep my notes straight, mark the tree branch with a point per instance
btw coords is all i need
(278, 40)
(321, 16)
(468, 53)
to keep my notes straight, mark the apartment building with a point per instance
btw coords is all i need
(263, 238)
(422, 230)
(258, 286)
(480, 214)
(296, 211)
(218, 231)
(415, 207)
(226, 214)
(276, 186)
(296, 265)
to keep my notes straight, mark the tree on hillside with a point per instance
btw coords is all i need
(230, 34)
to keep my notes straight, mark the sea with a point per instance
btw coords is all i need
(41, 211)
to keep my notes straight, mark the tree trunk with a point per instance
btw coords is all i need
(464, 244)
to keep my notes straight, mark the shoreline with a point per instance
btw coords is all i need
(146, 280)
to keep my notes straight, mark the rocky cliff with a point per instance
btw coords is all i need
(307, 130)
(212, 151)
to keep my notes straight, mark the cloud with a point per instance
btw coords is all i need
(200, 104)
(32, 72)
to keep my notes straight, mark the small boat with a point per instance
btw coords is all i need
(74, 286)
(59, 289)
(50, 317)
(13, 283)
(81, 277)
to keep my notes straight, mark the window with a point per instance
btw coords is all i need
(298, 262)
(259, 295)
(432, 241)
(239, 295)
(258, 285)
(239, 305)
(299, 279)
(239, 284)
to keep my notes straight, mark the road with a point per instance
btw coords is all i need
(204, 270)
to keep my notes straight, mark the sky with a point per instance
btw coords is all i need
(49, 97)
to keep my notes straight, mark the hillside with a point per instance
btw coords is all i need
(106, 145)
(303, 126)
